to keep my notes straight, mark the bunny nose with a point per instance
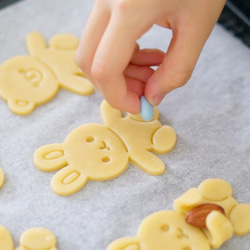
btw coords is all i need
(104, 145)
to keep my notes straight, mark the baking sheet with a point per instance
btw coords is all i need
(210, 116)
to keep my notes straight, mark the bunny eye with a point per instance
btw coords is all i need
(106, 159)
(90, 139)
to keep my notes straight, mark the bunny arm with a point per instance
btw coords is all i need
(131, 243)
(77, 83)
(68, 181)
(240, 219)
(147, 161)
(35, 43)
(6, 241)
(109, 114)
(219, 229)
(50, 157)
(64, 42)
(164, 140)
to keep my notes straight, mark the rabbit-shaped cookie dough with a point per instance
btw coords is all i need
(29, 81)
(33, 239)
(219, 227)
(168, 230)
(101, 152)
(164, 230)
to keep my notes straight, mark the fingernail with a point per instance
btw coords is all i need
(157, 99)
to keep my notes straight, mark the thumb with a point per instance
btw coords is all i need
(177, 65)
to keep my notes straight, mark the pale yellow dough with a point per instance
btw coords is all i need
(29, 81)
(101, 152)
(164, 230)
(2, 178)
(33, 239)
(168, 230)
(219, 227)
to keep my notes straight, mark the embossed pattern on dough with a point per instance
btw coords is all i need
(29, 81)
(101, 152)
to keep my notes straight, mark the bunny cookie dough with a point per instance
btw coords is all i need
(101, 152)
(2, 178)
(167, 230)
(35, 238)
(219, 227)
(164, 230)
(29, 81)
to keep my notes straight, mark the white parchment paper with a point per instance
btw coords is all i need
(211, 116)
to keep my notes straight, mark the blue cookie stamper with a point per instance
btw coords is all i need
(147, 110)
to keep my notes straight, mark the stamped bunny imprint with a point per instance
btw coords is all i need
(100, 152)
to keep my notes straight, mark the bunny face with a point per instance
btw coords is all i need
(26, 82)
(164, 230)
(90, 152)
(96, 151)
(169, 229)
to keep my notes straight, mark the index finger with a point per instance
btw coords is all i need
(112, 58)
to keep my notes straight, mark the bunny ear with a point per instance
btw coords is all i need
(129, 243)
(21, 107)
(6, 242)
(68, 181)
(50, 157)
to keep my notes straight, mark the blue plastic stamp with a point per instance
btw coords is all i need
(147, 110)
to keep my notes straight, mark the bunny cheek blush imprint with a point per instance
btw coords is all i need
(101, 152)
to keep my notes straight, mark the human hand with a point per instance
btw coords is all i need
(110, 57)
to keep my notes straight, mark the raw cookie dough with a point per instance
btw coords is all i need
(167, 230)
(164, 230)
(101, 152)
(33, 239)
(2, 178)
(219, 227)
(29, 81)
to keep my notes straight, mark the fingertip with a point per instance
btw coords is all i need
(156, 99)
(129, 103)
